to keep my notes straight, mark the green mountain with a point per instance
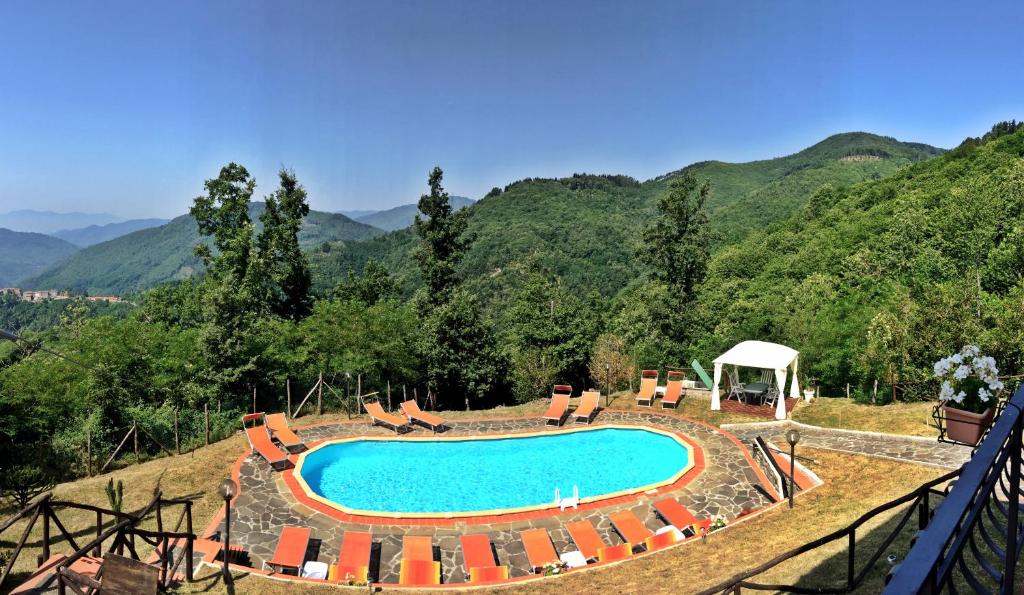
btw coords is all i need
(94, 234)
(404, 215)
(23, 254)
(585, 228)
(880, 279)
(145, 258)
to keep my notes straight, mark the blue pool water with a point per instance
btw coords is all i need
(462, 476)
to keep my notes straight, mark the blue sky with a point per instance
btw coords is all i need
(126, 107)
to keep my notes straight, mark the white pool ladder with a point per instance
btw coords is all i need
(564, 503)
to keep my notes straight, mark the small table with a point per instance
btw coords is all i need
(756, 388)
(573, 559)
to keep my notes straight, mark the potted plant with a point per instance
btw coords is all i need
(969, 382)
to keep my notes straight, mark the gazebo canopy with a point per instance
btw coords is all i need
(764, 355)
(759, 354)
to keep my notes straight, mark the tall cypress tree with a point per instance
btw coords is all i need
(279, 246)
(457, 347)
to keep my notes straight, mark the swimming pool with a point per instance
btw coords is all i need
(483, 474)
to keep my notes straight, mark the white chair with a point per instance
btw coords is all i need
(735, 387)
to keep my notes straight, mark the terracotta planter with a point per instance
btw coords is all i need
(964, 426)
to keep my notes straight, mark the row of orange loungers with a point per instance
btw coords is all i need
(559, 408)
(400, 424)
(261, 434)
(419, 566)
(649, 389)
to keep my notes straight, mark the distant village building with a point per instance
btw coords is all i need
(53, 294)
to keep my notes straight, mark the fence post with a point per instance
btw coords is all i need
(88, 452)
(851, 561)
(177, 441)
(389, 393)
(206, 416)
(254, 399)
(922, 512)
(98, 550)
(288, 389)
(46, 531)
(320, 394)
(135, 439)
(189, 570)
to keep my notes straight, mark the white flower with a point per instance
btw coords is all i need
(959, 397)
(996, 385)
(984, 395)
(956, 358)
(941, 367)
(970, 351)
(946, 392)
(962, 372)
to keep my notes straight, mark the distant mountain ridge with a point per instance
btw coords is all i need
(94, 234)
(30, 220)
(26, 253)
(404, 215)
(148, 257)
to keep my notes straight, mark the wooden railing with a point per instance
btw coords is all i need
(122, 535)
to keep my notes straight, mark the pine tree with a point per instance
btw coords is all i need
(279, 248)
(443, 240)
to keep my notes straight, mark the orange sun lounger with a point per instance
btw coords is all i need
(478, 558)
(539, 550)
(629, 526)
(354, 559)
(673, 390)
(588, 541)
(588, 406)
(615, 553)
(412, 410)
(291, 550)
(418, 566)
(648, 388)
(259, 440)
(660, 540)
(379, 416)
(678, 516)
(279, 428)
(559, 404)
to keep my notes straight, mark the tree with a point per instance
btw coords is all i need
(611, 362)
(443, 240)
(459, 352)
(549, 333)
(279, 248)
(374, 285)
(232, 285)
(677, 245)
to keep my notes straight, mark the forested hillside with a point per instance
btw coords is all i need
(585, 228)
(23, 254)
(94, 234)
(145, 258)
(872, 281)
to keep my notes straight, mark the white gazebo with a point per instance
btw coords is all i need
(767, 356)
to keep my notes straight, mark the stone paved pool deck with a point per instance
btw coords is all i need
(728, 486)
(912, 449)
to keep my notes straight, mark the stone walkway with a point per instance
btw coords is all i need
(728, 486)
(913, 449)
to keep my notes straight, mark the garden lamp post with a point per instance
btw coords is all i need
(228, 489)
(607, 383)
(792, 436)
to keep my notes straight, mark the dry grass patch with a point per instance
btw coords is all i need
(912, 419)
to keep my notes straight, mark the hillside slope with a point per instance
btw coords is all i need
(148, 257)
(586, 228)
(404, 215)
(23, 254)
(881, 279)
(94, 234)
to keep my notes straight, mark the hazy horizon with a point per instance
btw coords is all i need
(129, 115)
